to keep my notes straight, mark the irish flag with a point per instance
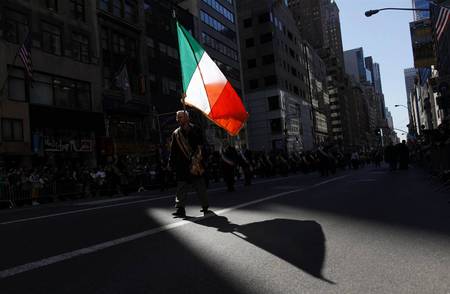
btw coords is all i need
(206, 88)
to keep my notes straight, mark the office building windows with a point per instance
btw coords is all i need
(250, 42)
(16, 84)
(12, 129)
(50, 4)
(274, 102)
(217, 25)
(265, 38)
(77, 8)
(276, 126)
(51, 38)
(247, 22)
(251, 63)
(253, 84)
(221, 9)
(16, 26)
(80, 47)
(219, 46)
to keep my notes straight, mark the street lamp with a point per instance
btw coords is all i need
(369, 13)
(401, 105)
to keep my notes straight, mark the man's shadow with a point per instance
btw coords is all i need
(301, 243)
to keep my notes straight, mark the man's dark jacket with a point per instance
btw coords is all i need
(177, 160)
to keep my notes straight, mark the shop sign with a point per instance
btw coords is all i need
(52, 144)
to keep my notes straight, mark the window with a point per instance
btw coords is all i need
(253, 84)
(265, 38)
(71, 94)
(250, 42)
(219, 46)
(247, 22)
(274, 102)
(16, 84)
(170, 87)
(275, 126)
(12, 129)
(217, 25)
(51, 38)
(16, 26)
(117, 9)
(263, 18)
(251, 63)
(220, 9)
(80, 47)
(131, 10)
(105, 4)
(42, 90)
(270, 80)
(77, 9)
(293, 71)
(268, 59)
(50, 4)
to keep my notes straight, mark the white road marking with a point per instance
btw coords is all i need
(364, 181)
(106, 200)
(117, 205)
(101, 246)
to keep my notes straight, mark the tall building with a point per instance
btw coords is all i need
(56, 118)
(318, 92)
(215, 26)
(374, 72)
(276, 77)
(377, 78)
(354, 65)
(421, 4)
(319, 24)
(414, 120)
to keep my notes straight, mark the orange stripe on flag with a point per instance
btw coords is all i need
(229, 111)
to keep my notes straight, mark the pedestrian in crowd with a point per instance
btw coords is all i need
(323, 162)
(245, 158)
(36, 185)
(355, 160)
(403, 155)
(390, 156)
(186, 158)
(229, 157)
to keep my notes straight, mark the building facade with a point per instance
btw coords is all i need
(276, 78)
(319, 24)
(55, 118)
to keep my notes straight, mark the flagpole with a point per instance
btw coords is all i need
(183, 96)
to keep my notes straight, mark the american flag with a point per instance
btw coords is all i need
(441, 16)
(25, 55)
(123, 82)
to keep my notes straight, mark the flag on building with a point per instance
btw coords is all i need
(25, 55)
(122, 82)
(441, 18)
(206, 88)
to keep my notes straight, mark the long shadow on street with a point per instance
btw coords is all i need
(300, 243)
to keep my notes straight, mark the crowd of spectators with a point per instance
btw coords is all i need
(123, 175)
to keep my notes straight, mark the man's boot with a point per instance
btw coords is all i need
(180, 212)
(205, 210)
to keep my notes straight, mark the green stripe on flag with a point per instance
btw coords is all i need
(190, 54)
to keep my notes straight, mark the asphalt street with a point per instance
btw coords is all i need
(364, 231)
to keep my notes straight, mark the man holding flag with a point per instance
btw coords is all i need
(207, 89)
(186, 158)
